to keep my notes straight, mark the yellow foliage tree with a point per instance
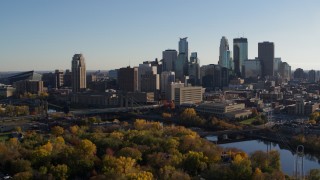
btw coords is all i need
(142, 175)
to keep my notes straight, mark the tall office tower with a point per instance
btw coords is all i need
(150, 82)
(67, 78)
(181, 64)
(299, 74)
(183, 46)
(276, 66)
(312, 76)
(78, 67)
(58, 80)
(128, 79)
(266, 56)
(169, 56)
(143, 69)
(167, 77)
(240, 54)
(252, 68)
(224, 55)
(285, 71)
(194, 69)
(214, 77)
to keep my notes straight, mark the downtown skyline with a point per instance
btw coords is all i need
(44, 35)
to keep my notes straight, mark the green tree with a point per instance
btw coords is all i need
(130, 152)
(60, 171)
(194, 162)
(241, 167)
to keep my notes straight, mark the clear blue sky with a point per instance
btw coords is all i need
(44, 34)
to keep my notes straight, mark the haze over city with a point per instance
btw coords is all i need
(44, 35)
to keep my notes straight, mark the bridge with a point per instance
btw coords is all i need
(113, 110)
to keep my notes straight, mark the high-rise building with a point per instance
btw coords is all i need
(266, 56)
(299, 74)
(143, 69)
(67, 78)
(240, 54)
(194, 69)
(167, 77)
(276, 67)
(224, 54)
(29, 86)
(312, 76)
(58, 78)
(252, 68)
(285, 71)
(169, 56)
(181, 64)
(150, 82)
(183, 46)
(128, 79)
(188, 95)
(78, 67)
(214, 77)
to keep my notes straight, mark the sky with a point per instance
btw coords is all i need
(45, 34)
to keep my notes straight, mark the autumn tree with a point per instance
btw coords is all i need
(194, 162)
(314, 174)
(130, 152)
(241, 167)
(59, 171)
(57, 130)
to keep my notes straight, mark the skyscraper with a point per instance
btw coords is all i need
(224, 54)
(183, 46)
(312, 76)
(266, 56)
(78, 67)
(128, 79)
(169, 56)
(181, 64)
(240, 54)
(194, 69)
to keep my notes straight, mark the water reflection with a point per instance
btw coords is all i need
(287, 158)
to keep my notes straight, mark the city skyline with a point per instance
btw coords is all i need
(40, 35)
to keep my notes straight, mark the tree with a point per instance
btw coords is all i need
(110, 167)
(130, 152)
(74, 129)
(26, 175)
(241, 167)
(86, 148)
(194, 162)
(169, 172)
(141, 175)
(254, 112)
(257, 175)
(188, 113)
(126, 164)
(314, 174)
(59, 171)
(57, 130)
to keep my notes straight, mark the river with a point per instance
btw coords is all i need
(287, 158)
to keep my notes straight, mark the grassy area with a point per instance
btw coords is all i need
(248, 121)
(4, 136)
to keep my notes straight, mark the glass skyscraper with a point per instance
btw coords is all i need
(224, 54)
(240, 54)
